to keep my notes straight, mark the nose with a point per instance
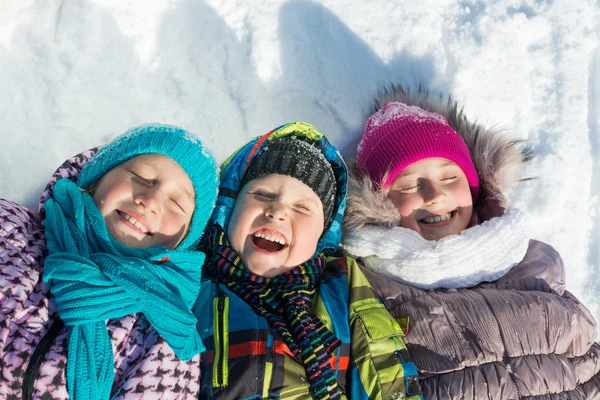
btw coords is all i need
(149, 198)
(433, 193)
(276, 211)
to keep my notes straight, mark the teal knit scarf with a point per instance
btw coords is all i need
(94, 278)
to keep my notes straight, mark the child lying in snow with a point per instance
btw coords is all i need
(95, 303)
(427, 219)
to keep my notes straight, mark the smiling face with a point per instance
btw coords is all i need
(433, 198)
(146, 201)
(276, 224)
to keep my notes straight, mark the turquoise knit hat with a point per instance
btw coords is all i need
(180, 145)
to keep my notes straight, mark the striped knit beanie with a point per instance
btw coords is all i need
(183, 147)
(399, 135)
(300, 159)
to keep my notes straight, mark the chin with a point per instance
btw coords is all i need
(263, 273)
(438, 235)
(260, 271)
(266, 271)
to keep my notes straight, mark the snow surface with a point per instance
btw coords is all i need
(74, 74)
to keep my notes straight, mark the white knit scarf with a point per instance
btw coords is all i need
(482, 253)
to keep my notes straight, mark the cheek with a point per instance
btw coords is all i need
(176, 224)
(464, 200)
(237, 226)
(109, 193)
(102, 199)
(463, 196)
(407, 222)
(309, 235)
(405, 203)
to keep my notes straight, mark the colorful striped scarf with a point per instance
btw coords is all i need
(285, 302)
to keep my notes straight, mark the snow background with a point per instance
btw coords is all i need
(74, 74)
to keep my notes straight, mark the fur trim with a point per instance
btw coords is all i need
(366, 205)
(498, 160)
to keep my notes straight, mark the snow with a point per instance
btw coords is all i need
(395, 111)
(74, 74)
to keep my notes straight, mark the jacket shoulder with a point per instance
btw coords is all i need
(21, 230)
(348, 268)
(383, 368)
(541, 266)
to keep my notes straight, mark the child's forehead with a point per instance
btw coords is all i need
(156, 162)
(285, 183)
(149, 159)
(426, 164)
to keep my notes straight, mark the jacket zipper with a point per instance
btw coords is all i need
(504, 354)
(220, 338)
(39, 354)
(221, 309)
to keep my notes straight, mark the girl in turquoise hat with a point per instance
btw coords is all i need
(95, 303)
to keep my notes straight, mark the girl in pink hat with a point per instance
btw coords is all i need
(484, 306)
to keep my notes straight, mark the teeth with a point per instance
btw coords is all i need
(270, 237)
(135, 222)
(438, 218)
(139, 225)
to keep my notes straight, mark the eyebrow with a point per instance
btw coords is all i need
(252, 189)
(404, 175)
(308, 200)
(448, 163)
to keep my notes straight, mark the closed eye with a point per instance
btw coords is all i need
(302, 207)
(138, 178)
(408, 189)
(179, 205)
(262, 195)
(449, 179)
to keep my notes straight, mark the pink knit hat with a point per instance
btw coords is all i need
(399, 135)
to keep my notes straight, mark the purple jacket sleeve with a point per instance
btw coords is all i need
(22, 250)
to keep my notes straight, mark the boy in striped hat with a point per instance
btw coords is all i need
(288, 321)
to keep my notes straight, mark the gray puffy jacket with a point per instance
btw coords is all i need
(523, 336)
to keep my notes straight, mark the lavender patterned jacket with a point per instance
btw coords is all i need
(145, 366)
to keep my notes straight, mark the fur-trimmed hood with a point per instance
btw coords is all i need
(498, 160)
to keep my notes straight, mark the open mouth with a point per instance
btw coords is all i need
(269, 240)
(436, 219)
(137, 224)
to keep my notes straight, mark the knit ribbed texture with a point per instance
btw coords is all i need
(285, 302)
(399, 135)
(482, 253)
(94, 278)
(183, 147)
(299, 159)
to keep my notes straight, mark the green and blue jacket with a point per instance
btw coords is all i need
(246, 359)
